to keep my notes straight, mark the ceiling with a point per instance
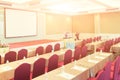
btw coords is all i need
(71, 7)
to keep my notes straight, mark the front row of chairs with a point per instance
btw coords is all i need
(111, 71)
(23, 71)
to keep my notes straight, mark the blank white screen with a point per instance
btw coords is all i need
(20, 23)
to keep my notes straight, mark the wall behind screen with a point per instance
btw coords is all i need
(19, 23)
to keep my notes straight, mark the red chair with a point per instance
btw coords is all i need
(114, 62)
(83, 51)
(38, 67)
(83, 43)
(39, 50)
(90, 40)
(67, 57)
(94, 39)
(53, 62)
(10, 56)
(22, 72)
(116, 41)
(22, 53)
(100, 76)
(48, 49)
(99, 38)
(57, 47)
(116, 72)
(0, 59)
(77, 53)
(107, 46)
(107, 70)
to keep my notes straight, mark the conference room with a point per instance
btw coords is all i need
(59, 39)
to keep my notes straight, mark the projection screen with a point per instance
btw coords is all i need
(20, 23)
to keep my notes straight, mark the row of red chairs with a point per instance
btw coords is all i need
(111, 71)
(79, 53)
(12, 56)
(48, 49)
(89, 40)
(38, 68)
(107, 45)
(97, 38)
(23, 71)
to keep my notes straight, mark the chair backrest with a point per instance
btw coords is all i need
(99, 38)
(100, 75)
(67, 57)
(95, 39)
(53, 62)
(107, 46)
(107, 70)
(83, 51)
(77, 53)
(89, 40)
(38, 67)
(0, 59)
(57, 47)
(22, 72)
(39, 50)
(48, 49)
(116, 40)
(10, 56)
(22, 53)
(116, 69)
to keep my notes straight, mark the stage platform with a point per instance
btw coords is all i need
(31, 43)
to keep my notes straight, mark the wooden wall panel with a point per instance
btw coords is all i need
(110, 22)
(83, 23)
